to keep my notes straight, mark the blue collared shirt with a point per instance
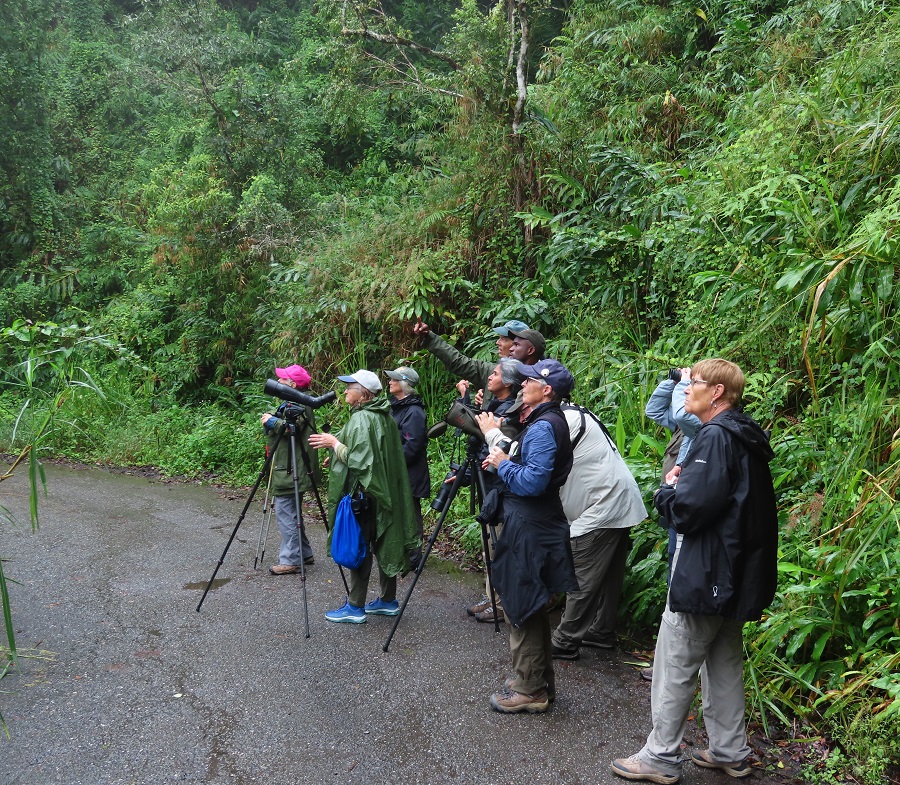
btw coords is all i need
(538, 449)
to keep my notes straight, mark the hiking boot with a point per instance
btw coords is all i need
(647, 673)
(598, 643)
(705, 759)
(284, 569)
(381, 608)
(347, 614)
(510, 702)
(309, 560)
(634, 768)
(559, 653)
(482, 605)
(487, 615)
(507, 685)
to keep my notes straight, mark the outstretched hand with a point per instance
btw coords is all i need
(420, 328)
(320, 440)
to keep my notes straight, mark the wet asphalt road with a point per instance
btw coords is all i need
(125, 682)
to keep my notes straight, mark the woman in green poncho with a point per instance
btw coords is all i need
(367, 455)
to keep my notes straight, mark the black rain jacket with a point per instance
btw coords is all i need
(409, 415)
(724, 505)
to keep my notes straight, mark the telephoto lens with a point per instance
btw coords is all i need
(443, 497)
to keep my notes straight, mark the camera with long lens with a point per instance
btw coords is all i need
(287, 393)
(443, 496)
(505, 444)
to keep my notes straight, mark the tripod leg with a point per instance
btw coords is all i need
(268, 507)
(486, 541)
(267, 463)
(299, 511)
(454, 489)
(315, 490)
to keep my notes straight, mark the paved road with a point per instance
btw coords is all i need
(125, 682)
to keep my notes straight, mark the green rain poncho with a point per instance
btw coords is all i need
(375, 460)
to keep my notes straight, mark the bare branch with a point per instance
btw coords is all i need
(521, 66)
(415, 81)
(396, 40)
(389, 38)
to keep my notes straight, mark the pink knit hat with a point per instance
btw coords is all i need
(296, 373)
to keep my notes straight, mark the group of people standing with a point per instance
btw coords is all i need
(562, 501)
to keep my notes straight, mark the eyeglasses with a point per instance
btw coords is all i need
(692, 382)
(541, 382)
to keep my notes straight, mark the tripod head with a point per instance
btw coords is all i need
(292, 412)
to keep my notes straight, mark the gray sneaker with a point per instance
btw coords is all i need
(509, 702)
(599, 643)
(705, 759)
(634, 768)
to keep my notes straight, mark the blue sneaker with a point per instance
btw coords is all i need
(381, 608)
(348, 614)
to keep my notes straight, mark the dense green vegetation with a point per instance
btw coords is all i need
(192, 190)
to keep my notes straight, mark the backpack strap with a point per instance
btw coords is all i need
(582, 412)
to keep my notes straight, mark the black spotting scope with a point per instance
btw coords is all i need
(279, 390)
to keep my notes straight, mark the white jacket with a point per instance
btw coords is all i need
(600, 492)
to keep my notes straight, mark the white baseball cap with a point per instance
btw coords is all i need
(363, 378)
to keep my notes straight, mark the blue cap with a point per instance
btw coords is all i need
(513, 325)
(551, 371)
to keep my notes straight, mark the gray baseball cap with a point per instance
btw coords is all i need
(513, 325)
(364, 378)
(403, 374)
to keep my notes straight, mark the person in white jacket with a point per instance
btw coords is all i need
(601, 501)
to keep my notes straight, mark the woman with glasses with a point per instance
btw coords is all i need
(723, 575)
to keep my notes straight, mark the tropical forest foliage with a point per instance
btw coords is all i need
(191, 190)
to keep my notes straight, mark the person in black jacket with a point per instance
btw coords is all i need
(724, 573)
(409, 413)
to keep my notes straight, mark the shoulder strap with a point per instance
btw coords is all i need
(582, 411)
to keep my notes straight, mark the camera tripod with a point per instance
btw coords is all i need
(291, 413)
(471, 467)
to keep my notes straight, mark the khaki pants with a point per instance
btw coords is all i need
(359, 583)
(529, 645)
(490, 555)
(593, 610)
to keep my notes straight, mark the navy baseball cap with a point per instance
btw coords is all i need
(551, 371)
